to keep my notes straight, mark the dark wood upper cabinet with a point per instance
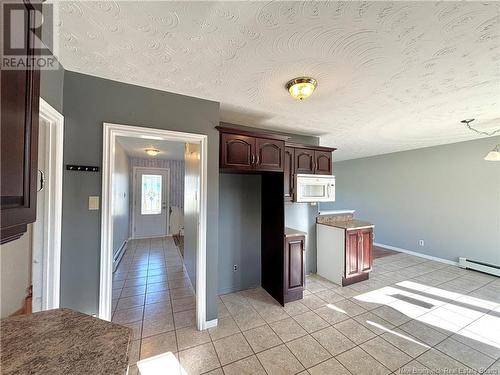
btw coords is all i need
(289, 172)
(237, 152)
(294, 267)
(20, 95)
(270, 154)
(323, 162)
(304, 161)
(245, 151)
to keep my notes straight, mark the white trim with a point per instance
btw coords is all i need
(210, 324)
(51, 268)
(425, 256)
(110, 132)
(134, 181)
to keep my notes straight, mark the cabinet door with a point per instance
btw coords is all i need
(270, 154)
(237, 152)
(294, 264)
(20, 95)
(323, 161)
(366, 236)
(352, 254)
(304, 161)
(288, 169)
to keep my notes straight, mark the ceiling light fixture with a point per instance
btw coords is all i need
(152, 151)
(493, 155)
(301, 87)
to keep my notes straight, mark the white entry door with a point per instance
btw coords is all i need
(151, 208)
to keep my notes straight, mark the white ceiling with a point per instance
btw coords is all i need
(391, 76)
(135, 147)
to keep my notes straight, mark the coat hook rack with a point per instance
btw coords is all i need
(81, 168)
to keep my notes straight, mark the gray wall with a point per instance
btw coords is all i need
(51, 87)
(239, 231)
(51, 81)
(302, 216)
(446, 195)
(120, 191)
(88, 102)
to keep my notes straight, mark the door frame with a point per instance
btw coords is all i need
(51, 258)
(110, 132)
(134, 180)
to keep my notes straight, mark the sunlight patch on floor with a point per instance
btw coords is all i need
(452, 311)
(380, 326)
(165, 363)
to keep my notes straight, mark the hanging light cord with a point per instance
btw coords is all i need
(467, 123)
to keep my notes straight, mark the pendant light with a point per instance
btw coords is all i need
(493, 155)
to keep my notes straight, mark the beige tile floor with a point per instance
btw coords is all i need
(412, 316)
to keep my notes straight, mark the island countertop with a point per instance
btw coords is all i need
(343, 224)
(63, 341)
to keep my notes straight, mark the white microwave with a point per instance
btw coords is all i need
(314, 188)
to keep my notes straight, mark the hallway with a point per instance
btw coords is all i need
(153, 295)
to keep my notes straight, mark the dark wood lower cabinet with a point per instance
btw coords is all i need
(358, 255)
(294, 267)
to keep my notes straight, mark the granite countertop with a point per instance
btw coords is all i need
(290, 232)
(63, 341)
(343, 224)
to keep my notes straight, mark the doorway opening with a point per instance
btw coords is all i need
(139, 254)
(46, 230)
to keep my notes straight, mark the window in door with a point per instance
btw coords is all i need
(151, 194)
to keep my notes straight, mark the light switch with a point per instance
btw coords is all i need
(93, 203)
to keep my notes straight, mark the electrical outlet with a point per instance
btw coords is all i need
(235, 268)
(421, 243)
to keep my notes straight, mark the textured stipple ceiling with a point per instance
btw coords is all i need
(392, 75)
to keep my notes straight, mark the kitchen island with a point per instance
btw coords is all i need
(63, 341)
(345, 247)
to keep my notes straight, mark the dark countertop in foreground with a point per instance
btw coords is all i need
(63, 341)
(343, 224)
(290, 232)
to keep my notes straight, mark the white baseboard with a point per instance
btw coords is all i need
(236, 288)
(210, 324)
(425, 256)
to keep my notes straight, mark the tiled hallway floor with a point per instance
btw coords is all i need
(412, 316)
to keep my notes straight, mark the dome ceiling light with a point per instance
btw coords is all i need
(152, 151)
(301, 87)
(493, 155)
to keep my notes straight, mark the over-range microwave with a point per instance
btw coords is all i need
(314, 188)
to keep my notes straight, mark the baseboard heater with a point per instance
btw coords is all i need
(479, 266)
(119, 255)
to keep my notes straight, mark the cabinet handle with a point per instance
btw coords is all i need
(252, 159)
(42, 180)
(258, 159)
